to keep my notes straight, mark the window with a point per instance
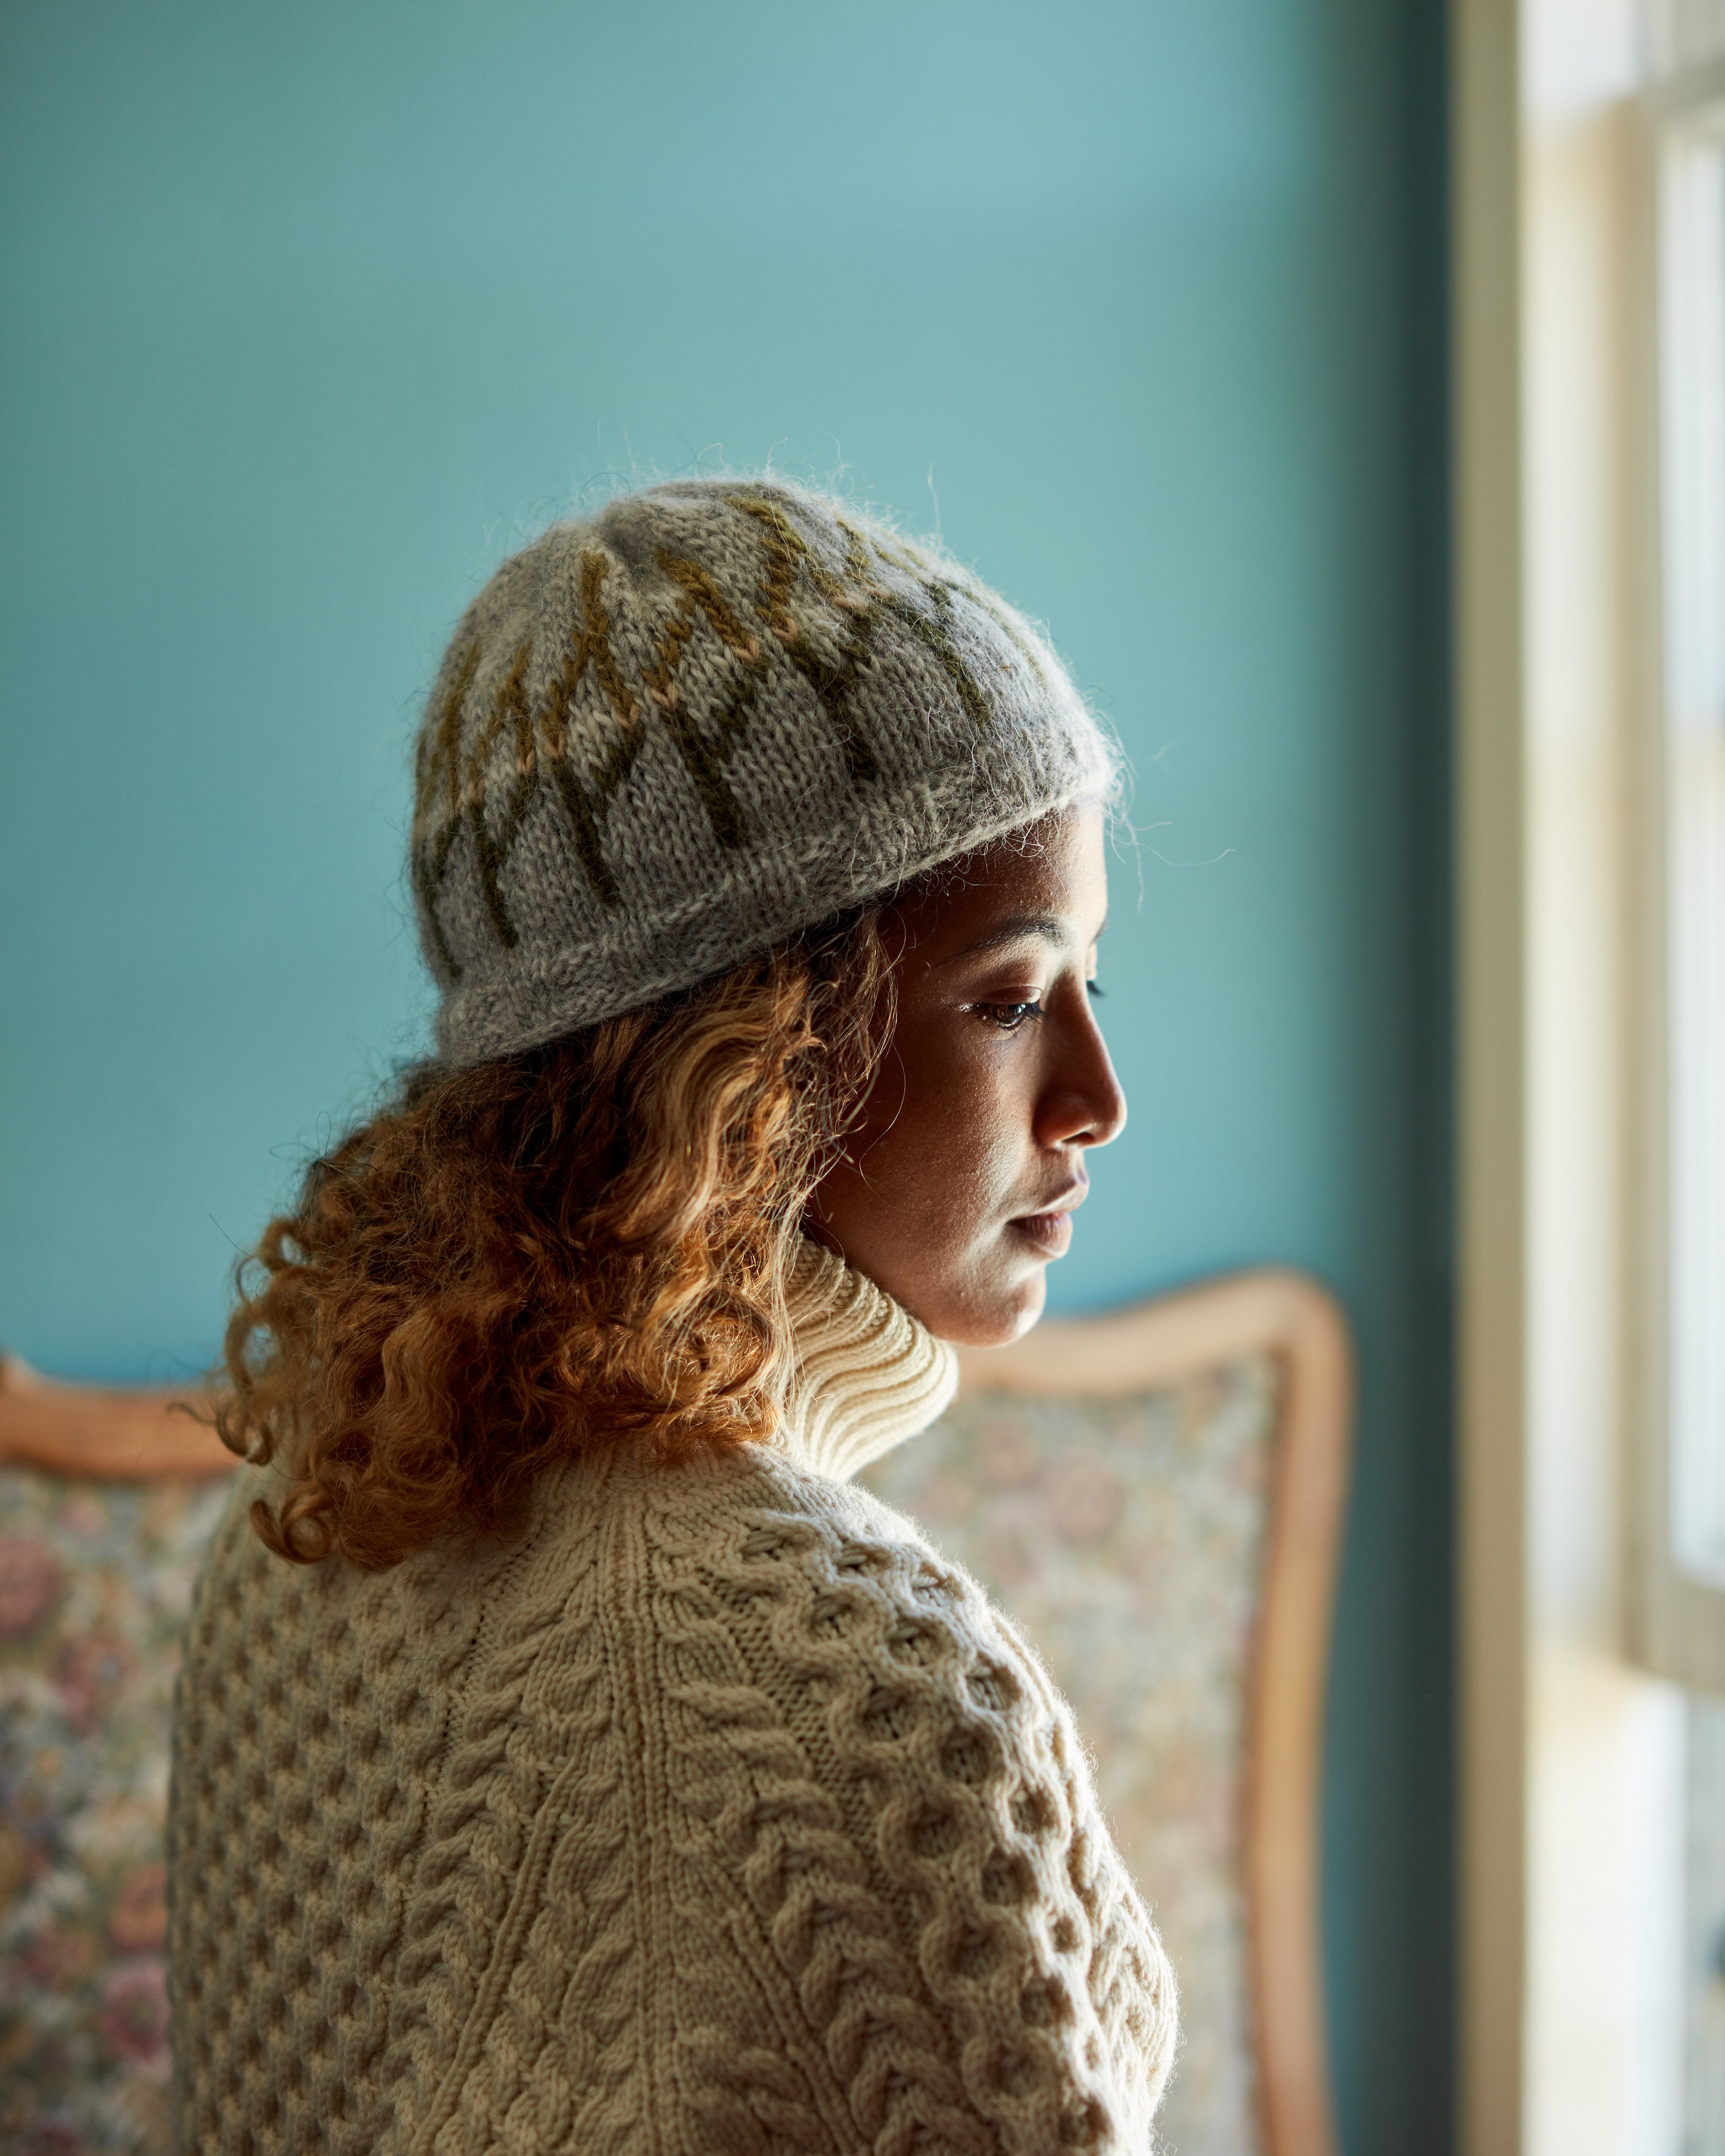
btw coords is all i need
(1691, 186)
(1678, 1417)
(1678, 1426)
(1591, 718)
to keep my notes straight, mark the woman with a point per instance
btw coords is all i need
(568, 1758)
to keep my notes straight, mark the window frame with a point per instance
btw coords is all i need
(1675, 1619)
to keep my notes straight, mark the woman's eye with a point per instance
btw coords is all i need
(1008, 1016)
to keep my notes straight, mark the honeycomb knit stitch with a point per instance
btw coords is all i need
(714, 1812)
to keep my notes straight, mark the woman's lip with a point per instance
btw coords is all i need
(1050, 1233)
(1067, 1200)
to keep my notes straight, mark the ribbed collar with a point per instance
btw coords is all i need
(867, 1374)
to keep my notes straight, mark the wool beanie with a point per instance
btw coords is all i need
(668, 737)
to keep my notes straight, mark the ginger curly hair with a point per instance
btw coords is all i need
(506, 1264)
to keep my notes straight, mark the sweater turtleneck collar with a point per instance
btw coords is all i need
(867, 1375)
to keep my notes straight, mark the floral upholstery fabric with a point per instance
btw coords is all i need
(1124, 1538)
(96, 1584)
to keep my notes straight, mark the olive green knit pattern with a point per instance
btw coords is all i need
(715, 1814)
(667, 737)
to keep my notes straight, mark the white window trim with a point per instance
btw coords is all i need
(1571, 1753)
(1676, 1619)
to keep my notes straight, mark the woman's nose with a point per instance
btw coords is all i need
(1082, 1103)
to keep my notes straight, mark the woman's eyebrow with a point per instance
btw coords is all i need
(1048, 927)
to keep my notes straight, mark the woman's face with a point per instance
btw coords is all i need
(960, 1184)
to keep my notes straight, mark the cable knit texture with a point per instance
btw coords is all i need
(670, 735)
(712, 1812)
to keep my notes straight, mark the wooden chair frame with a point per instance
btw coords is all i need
(1287, 1316)
(110, 1434)
(103, 1433)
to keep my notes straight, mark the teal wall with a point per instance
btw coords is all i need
(308, 312)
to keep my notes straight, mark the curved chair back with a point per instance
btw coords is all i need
(1156, 1496)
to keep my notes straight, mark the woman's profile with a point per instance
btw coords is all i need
(568, 1758)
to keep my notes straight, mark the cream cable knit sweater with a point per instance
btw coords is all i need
(715, 1813)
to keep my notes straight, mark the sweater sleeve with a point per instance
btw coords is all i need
(989, 1978)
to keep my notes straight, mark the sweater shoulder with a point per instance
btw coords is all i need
(925, 1773)
(771, 1498)
(805, 1570)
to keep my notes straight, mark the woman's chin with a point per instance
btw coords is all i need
(1032, 1301)
(988, 1298)
(992, 1316)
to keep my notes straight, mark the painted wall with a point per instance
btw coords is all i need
(310, 313)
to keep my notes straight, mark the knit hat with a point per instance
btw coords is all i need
(671, 735)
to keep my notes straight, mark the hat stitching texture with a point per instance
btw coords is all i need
(812, 606)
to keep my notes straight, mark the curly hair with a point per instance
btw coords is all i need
(506, 1264)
